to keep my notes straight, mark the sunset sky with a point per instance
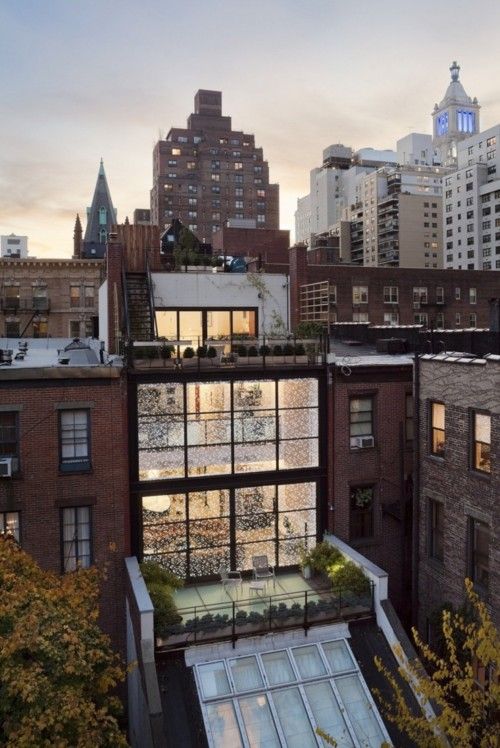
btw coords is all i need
(81, 79)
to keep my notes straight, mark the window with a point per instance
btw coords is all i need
(176, 152)
(9, 437)
(238, 165)
(9, 524)
(457, 319)
(216, 189)
(361, 421)
(74, 436)
(360, 317)
(360, 294)
(192, 189)
(420, 318)
(440, 320)
(238, 204)
(439, 295)
(191, 165)
(74, 328)
(391, 294)
(457, 294)
(479, 547)
(89, 296)
(472, 319)
(361, 514)
(261, 193)
(391, 318)
(261, 218)
(438, 436)
(74, 295)
(481, 442)
(436, 530)
(420, 294)
(76, 538)
(40, 328)
(472, 296)
(238, 178)
(238, 192)
(215, 177)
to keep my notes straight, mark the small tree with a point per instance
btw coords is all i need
(467, 713)
(56, 666)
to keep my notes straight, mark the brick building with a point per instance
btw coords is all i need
(264, 248)
(390, 296)
(370, 466)
(49, 298)
(63, 438)
(207, 173)
(459, 482)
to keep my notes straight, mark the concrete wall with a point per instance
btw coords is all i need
(267, 292)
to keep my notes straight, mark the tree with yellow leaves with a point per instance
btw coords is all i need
(56, 666)
(462, 685)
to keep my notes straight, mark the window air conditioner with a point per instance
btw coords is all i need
(362, 442)
(6, 467)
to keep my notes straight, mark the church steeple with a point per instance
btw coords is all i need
(455, 118)
(101, 216)
(77, 238)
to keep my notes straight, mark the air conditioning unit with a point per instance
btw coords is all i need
(416, 304)
(362, 442)
(7, 466)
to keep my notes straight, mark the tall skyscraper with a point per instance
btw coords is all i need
(207, 173)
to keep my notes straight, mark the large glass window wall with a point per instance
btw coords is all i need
(197, 429)
(199, 533)
(199, 325)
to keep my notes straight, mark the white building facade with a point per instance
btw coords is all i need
(14, 246)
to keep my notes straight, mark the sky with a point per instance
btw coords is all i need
(85, 79)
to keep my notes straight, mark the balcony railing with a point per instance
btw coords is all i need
(263, 614)
(228, 352)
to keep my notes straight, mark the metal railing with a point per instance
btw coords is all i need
(263, 614)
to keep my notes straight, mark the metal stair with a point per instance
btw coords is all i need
(140, 321)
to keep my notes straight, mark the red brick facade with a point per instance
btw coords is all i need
(456, 285)
(385, 466)
(39, 491)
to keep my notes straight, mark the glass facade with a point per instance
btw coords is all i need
(199, 325)
(208, 428)
(235, 430)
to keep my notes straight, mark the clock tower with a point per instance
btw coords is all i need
(454, 119)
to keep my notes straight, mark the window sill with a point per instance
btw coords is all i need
(480, 474)
(436, 458)
(72, 468)
(360, 450)
(363, 542)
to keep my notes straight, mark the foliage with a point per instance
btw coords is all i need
(299, 350)
(309, 330)
(252, 351)
(467, 715)
(321, 557)
(346, 575)
(264, 350)
(188, 352)
(201, 351)
(241, 350)
(161, 583)
(277, 350)
(211, 352)
(166, 351)
(56, 666)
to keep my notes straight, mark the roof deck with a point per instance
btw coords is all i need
(216, 611)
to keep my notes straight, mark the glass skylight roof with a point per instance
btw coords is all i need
(279, 698)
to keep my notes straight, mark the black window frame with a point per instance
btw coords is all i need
(436, 530)
(15, 453)
(75, 464)
(475, 557)
(75, 509)
(361, 519)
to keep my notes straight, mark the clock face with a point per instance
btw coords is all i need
(442, 124)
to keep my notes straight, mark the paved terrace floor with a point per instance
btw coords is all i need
(214, 598)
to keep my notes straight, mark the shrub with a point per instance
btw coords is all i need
(161, 583)
(265, 350)
(242, 350)
(201, 351)
(321, 557)
(241, 618)
(255, 617)
(300, 350)
(188, 352)
(309, 330)
(277, 350)
(211, 352)
(166, 351)
(345, 575)
(288, 349)
(252, 351)
(296, 609)
(153, 572)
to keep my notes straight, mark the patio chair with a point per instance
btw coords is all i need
(230, 579)
(262, 569)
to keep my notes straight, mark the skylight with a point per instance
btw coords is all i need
(279, 698)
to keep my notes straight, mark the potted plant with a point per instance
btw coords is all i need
(188, 352)
(305, 561)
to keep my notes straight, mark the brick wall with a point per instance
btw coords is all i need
(462, 491)
(39, 491)
(379, 466)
